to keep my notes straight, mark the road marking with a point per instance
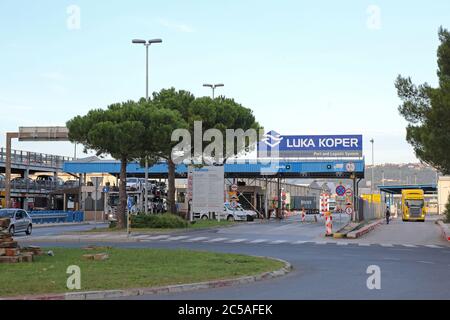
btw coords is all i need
(426, 262)
(278, 241)
(321, 242)
(386, 245)
(409, 245)
(364, 244)
(175, 238)
(217, 240)
(393, 259)
(259, 241)
(195, 239)
(342, 243)
(299, 242)
(144, 236)
(433, 246)
(236, 240)
(157, 237)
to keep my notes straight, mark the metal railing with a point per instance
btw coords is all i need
(26, 158)
(56, 216)
(30, 186)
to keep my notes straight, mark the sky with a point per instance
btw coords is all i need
(303, 67)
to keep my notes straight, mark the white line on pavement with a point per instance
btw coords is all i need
(278, 241)
(321, 242)
(409, 245)
(217, 240)
(342, 243)
(156, 237)
(237, 240)
(433, 246)
(195, 239)
(299, 242)
(386, 245)
(258, 241)
(426, 262)
(175, 238)
(364, 244)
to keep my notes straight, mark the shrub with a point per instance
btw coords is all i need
(447, 210)
(158, 221)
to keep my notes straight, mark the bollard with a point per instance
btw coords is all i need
(329, 225)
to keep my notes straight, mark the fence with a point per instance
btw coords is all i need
(34, 159)
(370, 211)
(56, 216)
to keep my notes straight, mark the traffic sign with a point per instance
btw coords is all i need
(234, 204)
(130, 203)
(349, 193)
(340, 190)
(350, 167)
(349, 210)
(234, 187)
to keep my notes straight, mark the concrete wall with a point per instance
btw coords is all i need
(443, 192)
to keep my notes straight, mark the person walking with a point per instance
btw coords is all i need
(388, 214)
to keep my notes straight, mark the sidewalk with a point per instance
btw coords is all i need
(59, 224)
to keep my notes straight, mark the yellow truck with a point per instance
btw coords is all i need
(413, 205)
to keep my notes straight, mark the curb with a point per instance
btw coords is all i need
(110, 294)
(444, 229)
(358, 233)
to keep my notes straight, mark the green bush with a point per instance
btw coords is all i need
(158, 221)
(447, 210)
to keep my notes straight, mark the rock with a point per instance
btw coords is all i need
(101, 256)
(12, 252)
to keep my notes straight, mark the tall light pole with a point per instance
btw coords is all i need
(373, 169)
(146, 44)
(213, 87)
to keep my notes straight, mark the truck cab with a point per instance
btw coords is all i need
(413, 205)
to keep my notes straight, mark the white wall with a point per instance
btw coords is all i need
(443, 192)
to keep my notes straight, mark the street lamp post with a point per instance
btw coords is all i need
(373, 169)
(213, 87)
(146, 44)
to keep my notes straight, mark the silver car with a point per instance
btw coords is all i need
(20, 220)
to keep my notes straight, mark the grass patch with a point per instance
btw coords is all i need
(126, 268)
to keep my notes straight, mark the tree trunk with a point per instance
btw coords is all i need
(121, 209)
(171, 191)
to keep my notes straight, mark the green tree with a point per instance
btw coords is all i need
(220, 113)
(128, 132)
(427, 111)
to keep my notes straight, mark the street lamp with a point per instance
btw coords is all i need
(373, 169)
(213, 87)
(146, 44)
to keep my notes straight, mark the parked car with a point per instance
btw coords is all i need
(71, 183)
(22, 181)
(229, 213)
(133, 184)
(42, 179)
(20, 220)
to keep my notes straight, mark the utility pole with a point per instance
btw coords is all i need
(373, 169)
(146, 44)
(213, 87)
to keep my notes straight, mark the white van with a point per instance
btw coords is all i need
(229, 213)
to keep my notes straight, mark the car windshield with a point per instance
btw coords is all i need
(132, 180)
(5, 213)
(238, 208)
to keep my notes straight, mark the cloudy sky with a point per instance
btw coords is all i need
(304, 67)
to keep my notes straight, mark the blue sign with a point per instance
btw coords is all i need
(310, 146)
(105, 189)
(130, 203)
(340, 190)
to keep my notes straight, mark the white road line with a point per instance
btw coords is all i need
(237, 240)
(433, 246)
(364, 244)
(342, 243)
(217, 240)
(386, 245)
(409, 245)
(143, 236)
(157, 237)
(426, 262)
(321, 242)
(195, 239)
(259, 241)
(299, 242)
(175, 238)
(278, 242)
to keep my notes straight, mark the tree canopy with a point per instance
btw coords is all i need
(427, 111)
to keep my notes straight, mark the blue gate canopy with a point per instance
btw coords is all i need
(427, 188)
(248, 169)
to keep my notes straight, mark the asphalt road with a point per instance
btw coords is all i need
(58, 230)
(327, 270)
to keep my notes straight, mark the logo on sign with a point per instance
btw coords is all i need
(272, 138)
